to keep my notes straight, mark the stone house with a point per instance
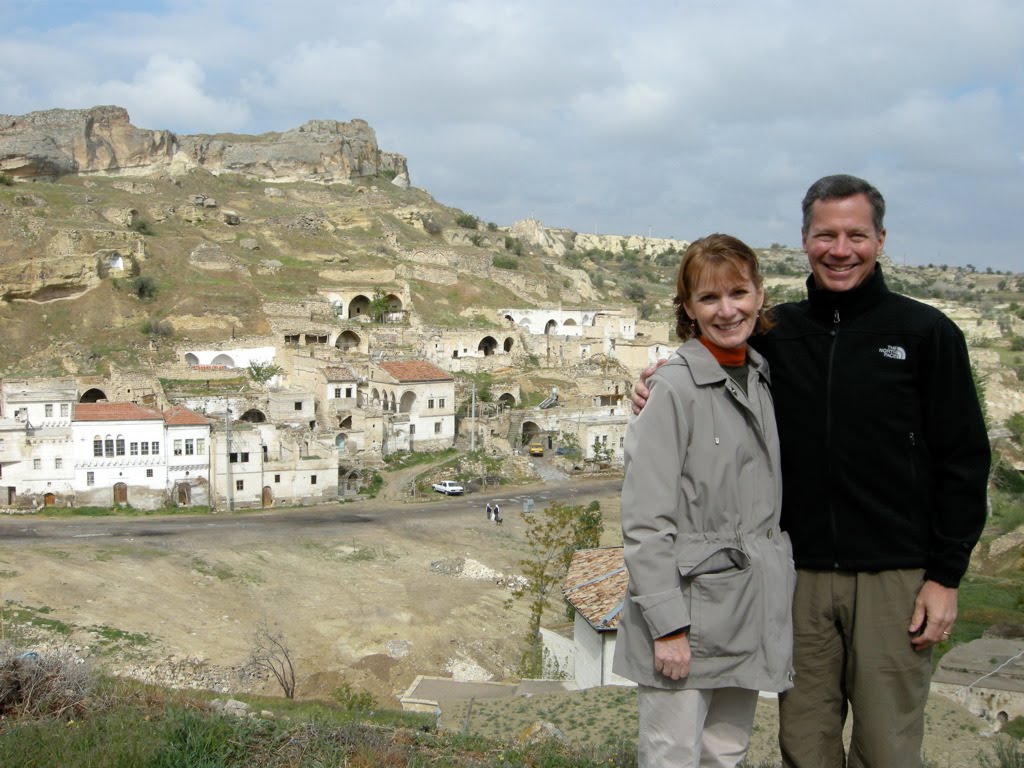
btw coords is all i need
(120, 455)
(188, 458)
(595, 586)
(417, 402)
(986, 676)
(265, 464)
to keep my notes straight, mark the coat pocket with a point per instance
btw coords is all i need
(724, 605)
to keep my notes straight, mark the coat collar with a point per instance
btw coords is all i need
(706, 370)
(824, 304)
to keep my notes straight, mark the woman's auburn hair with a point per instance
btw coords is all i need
(716, 252)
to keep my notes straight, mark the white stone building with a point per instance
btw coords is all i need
(417, 401)
(188, 457)
(120, 455)
(595, 587)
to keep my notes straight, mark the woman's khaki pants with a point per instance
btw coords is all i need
(694, 728)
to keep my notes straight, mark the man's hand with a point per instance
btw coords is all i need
(672, 656)
(934, 614)
(640, 390)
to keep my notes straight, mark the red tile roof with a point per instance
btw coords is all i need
(180, 416)
(415, 370)
(596, 585)
(114, 412)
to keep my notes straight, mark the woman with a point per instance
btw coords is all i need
(706, 623)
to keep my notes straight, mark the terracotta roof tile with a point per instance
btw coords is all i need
(415, 370)
(114, 412)
(596, 585)
(180, 416)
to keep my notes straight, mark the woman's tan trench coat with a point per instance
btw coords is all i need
(700, 525)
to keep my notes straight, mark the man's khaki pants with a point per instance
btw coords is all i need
(852, 651)
(694, 728)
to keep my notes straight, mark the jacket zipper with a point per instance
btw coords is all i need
(913, 460)
(828, 440)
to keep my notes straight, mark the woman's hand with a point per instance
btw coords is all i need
(672, 655)
(640, 390)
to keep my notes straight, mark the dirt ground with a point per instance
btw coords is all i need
(374, 603)
(384, 593)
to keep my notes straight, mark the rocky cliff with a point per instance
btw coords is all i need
(102, 140)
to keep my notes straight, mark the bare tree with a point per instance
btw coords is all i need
(270, 652)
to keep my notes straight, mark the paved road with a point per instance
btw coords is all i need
(323, 519)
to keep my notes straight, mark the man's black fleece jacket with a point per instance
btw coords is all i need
(884, 453)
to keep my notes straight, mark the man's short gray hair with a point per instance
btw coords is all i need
(839, 187)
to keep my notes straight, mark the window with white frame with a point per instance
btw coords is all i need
(177, 447)
(430, 403)
(90, 478)
(348, 391)
(48, 410)
(108, 446)
(64, 410)
(200, 446)
(58, 463)
(437, 427)
(145, 447)
(133, 448)
(298, 405)
(440, 402)
(37, 463)
(120, 445)
(190, 447)
(239, 485)
(337, 393)
(155, 447)
(97, 446)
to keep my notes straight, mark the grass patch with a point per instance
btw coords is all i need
(13, 614)
(404, 459)
(106, 554)
(983, 601)
(223, 572)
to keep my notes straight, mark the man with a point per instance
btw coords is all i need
(884, 465)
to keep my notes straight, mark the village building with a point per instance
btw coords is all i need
(986, 676)
(188, 459)
(595, 586)
(120, 455)
(416, 402)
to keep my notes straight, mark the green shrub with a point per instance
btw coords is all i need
(352, 700)
(144, 287)
(467, 221)
(504, 262)
(6, 180)
(155, 327)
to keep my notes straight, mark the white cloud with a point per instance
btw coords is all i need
(165, 93)
(681, 117)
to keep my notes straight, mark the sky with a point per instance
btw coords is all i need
(675, 119)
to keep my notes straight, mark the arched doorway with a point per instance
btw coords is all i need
(120, 493)
(507, 400)
(348, 341)
(268, 496)
(551, 327)
(191, 359)
(93, 396)
(359, 306)
(487, 345)
(49, 500)
(509, 343)
(530, 431)
(253, 416)
(183, 495)
(226, 360)
(406, 403)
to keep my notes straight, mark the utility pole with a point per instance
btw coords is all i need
(472, 435)
(227, 465)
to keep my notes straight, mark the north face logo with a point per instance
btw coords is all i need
(893, 352)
